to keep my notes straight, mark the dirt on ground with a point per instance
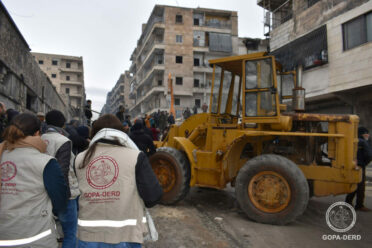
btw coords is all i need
(212, 218)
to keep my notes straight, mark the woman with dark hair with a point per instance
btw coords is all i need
(33, 186)
(116, 183)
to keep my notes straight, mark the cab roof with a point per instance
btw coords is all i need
(234, 63)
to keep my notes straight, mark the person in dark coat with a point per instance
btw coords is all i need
(120, 113)
(171, 120)
(88, 112)
(364, 156)
(79, 144)
(83, 132)
(11, 113)
(142, 139)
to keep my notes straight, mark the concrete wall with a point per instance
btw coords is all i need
(350, 68)
(307, 19)
(20, 75)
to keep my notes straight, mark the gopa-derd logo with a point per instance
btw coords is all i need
(341, 217)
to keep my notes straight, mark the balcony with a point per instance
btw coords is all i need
(152, 24)
(271, 5)
(207, 69)
(72, 83)
(75, 94)
(76, 70)
(157, 52)
(150, 92)
(149, 73)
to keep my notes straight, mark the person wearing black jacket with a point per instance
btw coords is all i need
(364, 156)
(142, 139)
(79, 143)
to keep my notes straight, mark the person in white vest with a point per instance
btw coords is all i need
(60, 147)
(116, 183)
(33, 187)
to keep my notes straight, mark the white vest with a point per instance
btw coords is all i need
(54, 141)
(26, 218)
(110, 208)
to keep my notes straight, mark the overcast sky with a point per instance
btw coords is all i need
(105, 32)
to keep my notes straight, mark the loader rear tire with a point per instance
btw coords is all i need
(272, 189)
(172, 169)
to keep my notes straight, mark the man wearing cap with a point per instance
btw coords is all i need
(364, 156)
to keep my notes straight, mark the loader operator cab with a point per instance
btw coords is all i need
(246, 87)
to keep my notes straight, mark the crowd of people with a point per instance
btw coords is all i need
(97, 181)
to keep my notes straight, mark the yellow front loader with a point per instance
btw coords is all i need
(275, 160)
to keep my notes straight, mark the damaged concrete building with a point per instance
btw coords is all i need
(67, 75)
(118, 96)
(180, 41)
(23, 85)
(331, 39)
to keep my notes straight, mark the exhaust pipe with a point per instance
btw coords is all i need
(299, 93)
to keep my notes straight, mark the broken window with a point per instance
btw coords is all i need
(199, 38)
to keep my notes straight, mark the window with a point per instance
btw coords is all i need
(357, 31)
(196, 62)
(54, 62)
(179, 81)
(30, 100)
(196, 83)
(197, 103)
(179, 59)
(178, 38)
(160, 82)
(68, 65)
(41, 62)
(177, 101)
(54, 75)
(178, 18)
(196, 21)
(67, 91)
(68, 78)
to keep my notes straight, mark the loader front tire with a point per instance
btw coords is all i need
(172, 169)
(272, 189)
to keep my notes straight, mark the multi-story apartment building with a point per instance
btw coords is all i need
(67, 75)
(118, 96)
(179, 41)
(332, 41)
